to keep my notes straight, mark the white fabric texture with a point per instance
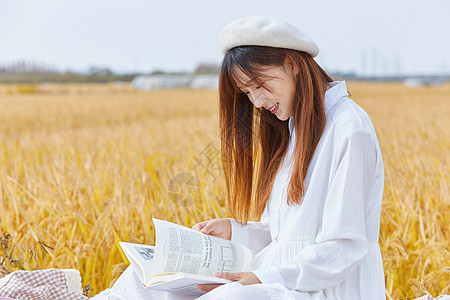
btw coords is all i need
(428, 296)
(265, 31)
(327, 247)
(129, 287)
(73, 280)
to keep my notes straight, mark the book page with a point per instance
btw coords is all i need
(140, 256)
(182, 249)
(183, 283)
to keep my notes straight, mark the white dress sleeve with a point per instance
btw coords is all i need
(254, 235)
(341, 242)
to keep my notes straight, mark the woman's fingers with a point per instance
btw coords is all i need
(228, 275)
(208, 228)
(205, 226)
(199, 226)
(217, 227)
(244, 278)
(207, 287)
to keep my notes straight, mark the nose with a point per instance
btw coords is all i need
(256, 97)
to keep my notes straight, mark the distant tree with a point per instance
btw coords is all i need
(96, 70)
(206, 68)
(158, 72)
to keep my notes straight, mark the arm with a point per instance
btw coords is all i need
(341, 242)
(254, 235)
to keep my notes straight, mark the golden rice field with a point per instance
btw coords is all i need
(84, 166)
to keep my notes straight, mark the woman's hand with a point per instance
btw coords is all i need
(244, 278)
(218, 227)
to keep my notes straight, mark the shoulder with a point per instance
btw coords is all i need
(350, 130)
(347, 118)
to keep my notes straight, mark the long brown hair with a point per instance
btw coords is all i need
(254, 141)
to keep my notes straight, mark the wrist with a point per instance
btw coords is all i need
(228, 229)
(239, 232)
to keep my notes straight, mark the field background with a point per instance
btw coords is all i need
(84, 166)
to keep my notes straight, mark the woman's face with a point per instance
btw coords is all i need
(275, 93)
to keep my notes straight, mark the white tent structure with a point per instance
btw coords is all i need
(152, 82)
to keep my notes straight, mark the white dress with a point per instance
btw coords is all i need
(327, 247)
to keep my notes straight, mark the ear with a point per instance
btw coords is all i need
(290, 64)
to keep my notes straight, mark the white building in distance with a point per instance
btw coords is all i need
(165, 81)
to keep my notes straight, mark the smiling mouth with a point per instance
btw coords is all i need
(274, 108)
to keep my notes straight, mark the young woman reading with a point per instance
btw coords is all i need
(300, 152)
(301, 155)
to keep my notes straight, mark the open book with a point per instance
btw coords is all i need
(183, 257)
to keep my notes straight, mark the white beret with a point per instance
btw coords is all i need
(265, 31)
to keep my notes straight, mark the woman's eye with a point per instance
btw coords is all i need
(258, 87)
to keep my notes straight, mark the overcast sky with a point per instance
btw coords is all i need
(368, 37)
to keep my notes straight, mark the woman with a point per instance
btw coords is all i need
(305, 159)
(317, 166)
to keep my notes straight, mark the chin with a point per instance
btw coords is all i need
(282, 118)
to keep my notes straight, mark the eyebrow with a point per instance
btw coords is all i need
(247, 83)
